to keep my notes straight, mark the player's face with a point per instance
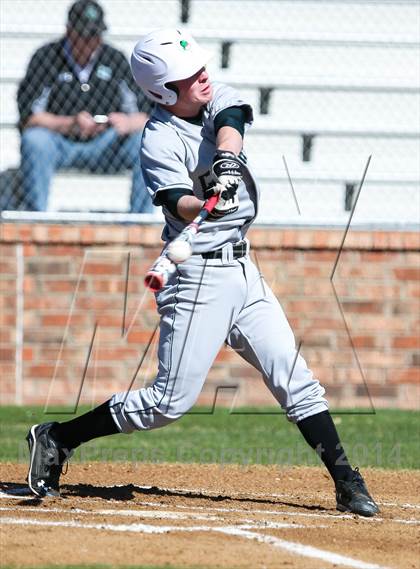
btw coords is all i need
(195, 90)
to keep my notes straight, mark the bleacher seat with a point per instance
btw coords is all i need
(316, 200)
(122, 18)
(366, 91)
(350, 65)
(386, 21)
(105, 193)
(322, 201)
(395, 158)
(311, 110)
(8, 105)
(9, 144)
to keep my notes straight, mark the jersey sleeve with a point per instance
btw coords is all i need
(225, 97)
(235, 117)
(162, 157)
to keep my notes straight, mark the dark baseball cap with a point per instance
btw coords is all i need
(86, 17)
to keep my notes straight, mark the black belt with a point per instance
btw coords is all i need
(239, 250)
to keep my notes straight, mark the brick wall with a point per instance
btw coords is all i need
(63, 304)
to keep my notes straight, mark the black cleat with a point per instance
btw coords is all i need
(46, 461)
(353, 496)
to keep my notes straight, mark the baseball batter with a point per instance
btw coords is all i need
(192, 148)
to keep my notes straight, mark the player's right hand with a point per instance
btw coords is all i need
(226, 169)
(227, 173)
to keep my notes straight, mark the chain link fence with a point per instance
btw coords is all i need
(332, 83)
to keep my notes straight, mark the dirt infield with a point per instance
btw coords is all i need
(207, 516)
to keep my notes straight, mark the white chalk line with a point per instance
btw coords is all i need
(304, 550)
(416, 506)
(207, 493)
(142, 528)
(16, 496)
(289, 546)
(29, 496)
(122, 513)
(330, 516)
(249, 524)
(393, 504)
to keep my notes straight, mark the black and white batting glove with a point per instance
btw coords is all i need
(228, 202)
(226, 169)
(227, 174)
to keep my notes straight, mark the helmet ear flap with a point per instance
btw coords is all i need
(173, 88)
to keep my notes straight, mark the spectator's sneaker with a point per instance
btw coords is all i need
(46, 461)
(353, 496)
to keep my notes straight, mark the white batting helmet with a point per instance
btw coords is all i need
(164, 56)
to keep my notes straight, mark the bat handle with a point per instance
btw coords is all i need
(210, 203)
(204, 212)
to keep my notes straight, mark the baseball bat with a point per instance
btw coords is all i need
(159, 273)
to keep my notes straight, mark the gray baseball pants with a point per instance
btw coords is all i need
(206, 303)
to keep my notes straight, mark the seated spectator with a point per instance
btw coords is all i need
(79, 107)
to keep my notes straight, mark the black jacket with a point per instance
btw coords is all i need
(51, 84)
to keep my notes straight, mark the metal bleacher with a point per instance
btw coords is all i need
(331, 83)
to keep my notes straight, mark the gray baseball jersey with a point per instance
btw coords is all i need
(211, 301)
(178, 154)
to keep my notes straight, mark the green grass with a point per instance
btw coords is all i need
(387, 439)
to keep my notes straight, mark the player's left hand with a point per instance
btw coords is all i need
(228, 201)
(227, 169)
(121, 122)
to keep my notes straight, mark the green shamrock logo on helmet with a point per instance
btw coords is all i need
(184, 44)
